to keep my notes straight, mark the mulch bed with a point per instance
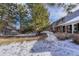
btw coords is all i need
(15, 39)
(19, 36)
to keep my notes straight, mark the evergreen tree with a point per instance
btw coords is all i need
(24, 19)
(39, 17)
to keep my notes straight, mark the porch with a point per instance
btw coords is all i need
(69, 29)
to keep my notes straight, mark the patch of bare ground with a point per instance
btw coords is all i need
(14, 39)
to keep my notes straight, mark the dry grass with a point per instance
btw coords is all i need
(4, 41)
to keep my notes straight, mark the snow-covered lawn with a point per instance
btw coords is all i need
(49, 46)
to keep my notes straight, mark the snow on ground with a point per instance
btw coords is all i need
(49, 46)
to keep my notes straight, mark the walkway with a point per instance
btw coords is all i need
(56, 47)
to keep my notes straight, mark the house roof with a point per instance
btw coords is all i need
(73, 21)
(69, 17)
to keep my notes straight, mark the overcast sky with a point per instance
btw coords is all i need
(56, 13)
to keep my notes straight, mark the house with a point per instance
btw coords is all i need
(68, 24)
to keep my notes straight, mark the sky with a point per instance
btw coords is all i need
(55, 13)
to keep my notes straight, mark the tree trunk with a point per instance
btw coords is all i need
(38, 33)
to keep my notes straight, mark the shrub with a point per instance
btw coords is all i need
(63, 36)
(76, 39)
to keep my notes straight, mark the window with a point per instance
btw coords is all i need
(76, 28)
(63, 28)
(69, 28)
